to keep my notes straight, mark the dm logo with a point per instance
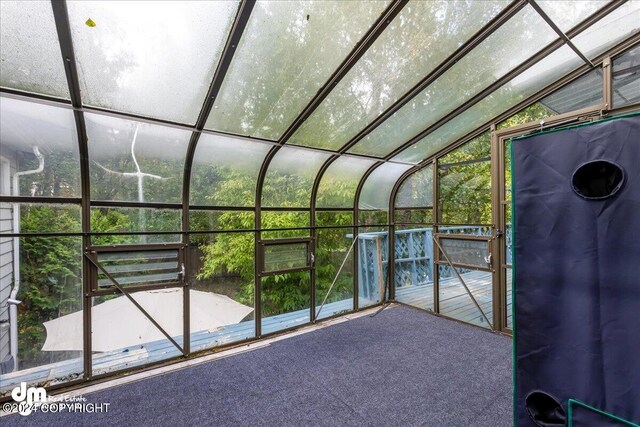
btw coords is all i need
(28, 397)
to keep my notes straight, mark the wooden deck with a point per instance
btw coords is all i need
(454, 300)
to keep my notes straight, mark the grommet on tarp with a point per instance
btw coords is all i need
(545, 410)
(597, 179)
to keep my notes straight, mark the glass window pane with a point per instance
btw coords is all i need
(151, 58)
(288, 51)
(287, 256)
(225, 171)
(377, 188)
(463, 251)
(422, 35)
(581, 93)
(464, 179)
(478, 69)
(50, 271)
(286, 299)
(610, 30)
(626, 78)
(455, 302)
(206, 220)
(417, 190)
(223, 287)
(373, 258)
(39, 142)
(120, 220)
(414, 267)
(135, 161)
(339, 182)
(545, 72)
(568, 14)
(334, 261)
(297, 220)
(40, 218)
(30, 57)
(290, 177)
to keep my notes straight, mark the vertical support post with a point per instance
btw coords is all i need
(499, 301)
(436, 220)
(607, 83)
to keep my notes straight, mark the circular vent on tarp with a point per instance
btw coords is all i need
(598, 179)
(545, 410)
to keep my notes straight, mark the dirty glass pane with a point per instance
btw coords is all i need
(377, 188)
(287, 256)
(610, 30)
(626, 78)
(290, 177)
(30, 58)
(567, 14)
(545, 72)
(225, 171)
(338, 184)
(477, 70)
(135, 161)
(151, 58)
(287, 52)
(422, 35)
(41, 142)
(416, 190)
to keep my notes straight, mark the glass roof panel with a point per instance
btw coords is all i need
(580, 93)
(30, 57)
(134, 161)
(610, 30)
(568, 14)
(417, 190)
(290, 177)
(155, 59)
(225, 171)
(422, 35)
(377, 188)
(626, 78)
(517, 40)
(340, 181)
(545, 72)
(41, 139)
(287, 52)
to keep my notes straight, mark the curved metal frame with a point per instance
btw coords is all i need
(240, 22)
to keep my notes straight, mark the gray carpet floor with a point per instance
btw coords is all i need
(403, 367)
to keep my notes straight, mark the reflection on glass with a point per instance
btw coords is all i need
(339, 182)
(464, 179)
(545, 72)
(49, 291)
(154, 59)
(478, 69)
(417, 190)
(509, 300)
(225, 171)
(286, 299)
(455, 301)
(269, 83)
(122, 337)
(626, 78)
(289, 256)
(376, 190)
(135, 161)
(414, 267)
(222, 272)
(422, 35)
(41, 144)
(290, 177)
(30, 57)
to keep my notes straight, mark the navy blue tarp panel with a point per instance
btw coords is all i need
(577, 271)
